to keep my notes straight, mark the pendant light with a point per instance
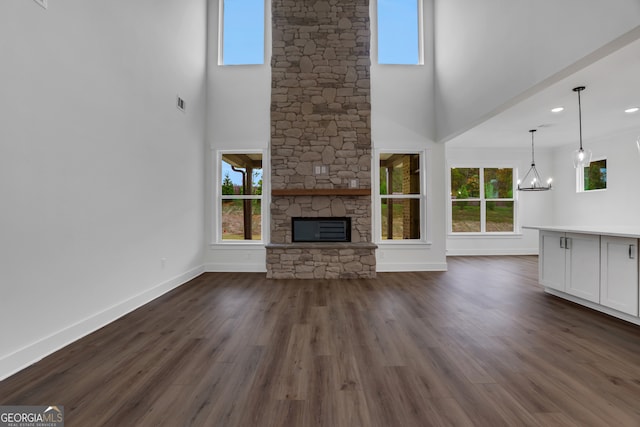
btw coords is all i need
(581, 157)
(533, 175)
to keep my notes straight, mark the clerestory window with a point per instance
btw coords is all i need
(400, 32)
(241, 32)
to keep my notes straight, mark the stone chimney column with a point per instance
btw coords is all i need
(320, 126)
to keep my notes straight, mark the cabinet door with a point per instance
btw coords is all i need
(619, 270)
(583, 266)
(551, 260)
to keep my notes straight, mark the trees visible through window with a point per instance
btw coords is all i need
(482, 200)
(399, 32)
(242, 35)
(241, 196)
(400, 196)
(593, 177)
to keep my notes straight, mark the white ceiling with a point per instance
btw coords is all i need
(612, 85)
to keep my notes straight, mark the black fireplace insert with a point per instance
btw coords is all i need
(321, 229)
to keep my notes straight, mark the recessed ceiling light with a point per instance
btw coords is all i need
(631, 110)
(557, 109)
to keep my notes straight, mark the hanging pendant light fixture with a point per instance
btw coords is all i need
(581, 157)
(533, 177)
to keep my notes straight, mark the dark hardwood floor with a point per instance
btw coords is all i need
(478, 345)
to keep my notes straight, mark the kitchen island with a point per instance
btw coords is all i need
(593, 266)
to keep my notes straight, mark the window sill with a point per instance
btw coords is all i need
(241, 65)
(484, 235)
(599, 190)
(407, 242)
(399, 65)
(236, 244)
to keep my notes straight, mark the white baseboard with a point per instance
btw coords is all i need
(214, 267)
(26, 356)
(395, 267)
(380, 267)
(491, 252)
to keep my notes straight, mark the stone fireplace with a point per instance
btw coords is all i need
(320, 136)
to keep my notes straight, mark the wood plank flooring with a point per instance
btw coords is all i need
(479, 345)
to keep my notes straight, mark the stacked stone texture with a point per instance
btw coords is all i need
(320, 116)
(314, 262)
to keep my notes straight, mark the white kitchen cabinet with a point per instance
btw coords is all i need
(551, 263)
(619, 274)
(597, 267)
(582, 275)
(570, 262)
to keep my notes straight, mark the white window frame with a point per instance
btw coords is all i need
(221, 63)
(483, 203)
(218, 197)
(580, 178)
(420, 5)
(425, 229)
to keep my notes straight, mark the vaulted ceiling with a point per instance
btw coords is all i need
(612, 86)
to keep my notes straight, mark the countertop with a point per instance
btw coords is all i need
(608, 230)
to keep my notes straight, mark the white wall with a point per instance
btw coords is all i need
(402, 118)
(403, 95)
(484, 63)
(534, 208)
(101, 176)
(238, 96)
(238, 118)
(619, 204)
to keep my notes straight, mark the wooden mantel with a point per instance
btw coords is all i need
(321, 192)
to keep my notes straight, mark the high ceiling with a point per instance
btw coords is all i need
(612, 85)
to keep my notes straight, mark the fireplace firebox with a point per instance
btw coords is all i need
(322, 229)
